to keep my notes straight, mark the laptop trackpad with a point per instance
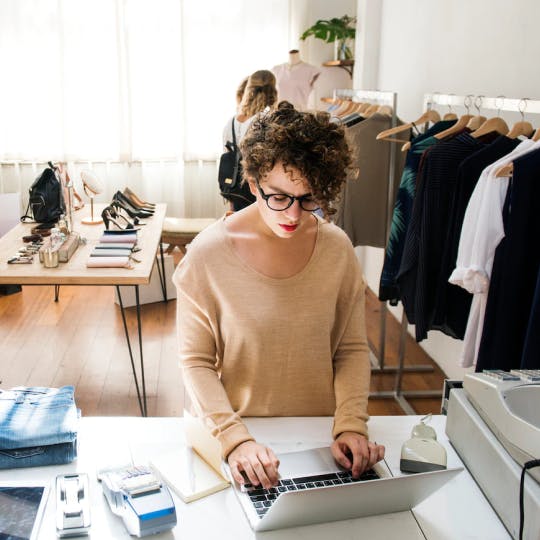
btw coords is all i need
(307, 463)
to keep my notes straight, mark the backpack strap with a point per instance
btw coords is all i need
(27, 218)
(233, 133)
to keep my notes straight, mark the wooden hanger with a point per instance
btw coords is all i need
(358, 107)
(362, 106)
(460, 124)
(342, 104)
(476, 121)
(406, 146)
(521, 128)
(505, 171)
(492, 124)
(371, 110)
(430, 115)
(386, 110)
(456, 128)
(347, 108)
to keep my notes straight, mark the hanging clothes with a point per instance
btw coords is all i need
(481, 233)
(452, 303)
(388, 289)
(363, 207)
(421, 264)
(515, 272)
(531, 347)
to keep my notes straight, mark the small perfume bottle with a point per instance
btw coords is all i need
(62, 225)
(56, 238)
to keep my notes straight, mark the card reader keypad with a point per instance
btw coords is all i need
(526, 375)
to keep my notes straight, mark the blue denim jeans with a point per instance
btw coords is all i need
(38, 426)
(38, 456)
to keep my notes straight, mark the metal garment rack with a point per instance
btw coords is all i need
(378, 364)
(498, 103)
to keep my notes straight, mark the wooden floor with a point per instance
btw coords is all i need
(79, 340)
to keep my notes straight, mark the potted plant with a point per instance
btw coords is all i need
(338, 31)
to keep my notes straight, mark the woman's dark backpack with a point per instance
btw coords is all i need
(46, 202)
(231, 186)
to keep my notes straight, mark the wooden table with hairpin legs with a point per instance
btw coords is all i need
(75, 272)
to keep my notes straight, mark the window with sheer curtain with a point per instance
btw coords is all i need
(128, 83)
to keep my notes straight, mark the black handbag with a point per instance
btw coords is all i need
(46, 201)
(230, 182)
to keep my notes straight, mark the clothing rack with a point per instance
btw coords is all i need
(378, 364)
(499, 104)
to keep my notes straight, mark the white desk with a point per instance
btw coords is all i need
(457, 511)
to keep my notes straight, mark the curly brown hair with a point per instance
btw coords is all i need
(307, 142)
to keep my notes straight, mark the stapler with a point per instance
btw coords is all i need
(422, 452)
(139, 497)
(72, 505)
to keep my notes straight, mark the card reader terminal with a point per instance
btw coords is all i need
(139, 497)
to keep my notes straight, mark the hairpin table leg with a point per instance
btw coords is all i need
(161, 271)
(142, 402)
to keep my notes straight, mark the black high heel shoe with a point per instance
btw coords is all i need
(118, 207)
(118, 215)
(126, 200)
(132, 197)
(109, 215)
(128, 208)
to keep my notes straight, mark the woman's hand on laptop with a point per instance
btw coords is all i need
(257, 462)
(355, 453)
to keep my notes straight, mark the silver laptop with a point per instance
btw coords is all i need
(314, 489)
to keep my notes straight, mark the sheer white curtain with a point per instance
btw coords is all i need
(138, 90)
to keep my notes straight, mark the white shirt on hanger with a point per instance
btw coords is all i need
(481, 233)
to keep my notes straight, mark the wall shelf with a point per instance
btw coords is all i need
(347, 65)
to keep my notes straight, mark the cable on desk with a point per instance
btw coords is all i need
(526, 466)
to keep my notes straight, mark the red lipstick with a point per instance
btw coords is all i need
(288, 228)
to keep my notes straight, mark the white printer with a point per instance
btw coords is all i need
(494, 425)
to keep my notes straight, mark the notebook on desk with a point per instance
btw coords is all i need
(314, 489)
(193, 471)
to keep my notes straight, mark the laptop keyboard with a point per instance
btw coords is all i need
(262, 499)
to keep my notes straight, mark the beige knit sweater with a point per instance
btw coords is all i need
(251, 345)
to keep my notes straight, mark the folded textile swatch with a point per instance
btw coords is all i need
(109, 262)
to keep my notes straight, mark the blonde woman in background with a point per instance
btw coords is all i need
(255, 94)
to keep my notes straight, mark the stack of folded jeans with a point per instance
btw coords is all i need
(38, 426)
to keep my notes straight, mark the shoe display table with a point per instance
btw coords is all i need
(75, 272)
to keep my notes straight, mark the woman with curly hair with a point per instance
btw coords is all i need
(270, 302)
(256, 93)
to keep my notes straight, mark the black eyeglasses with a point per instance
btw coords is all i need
(281, 201)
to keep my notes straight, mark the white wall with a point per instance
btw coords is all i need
(413, 47)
